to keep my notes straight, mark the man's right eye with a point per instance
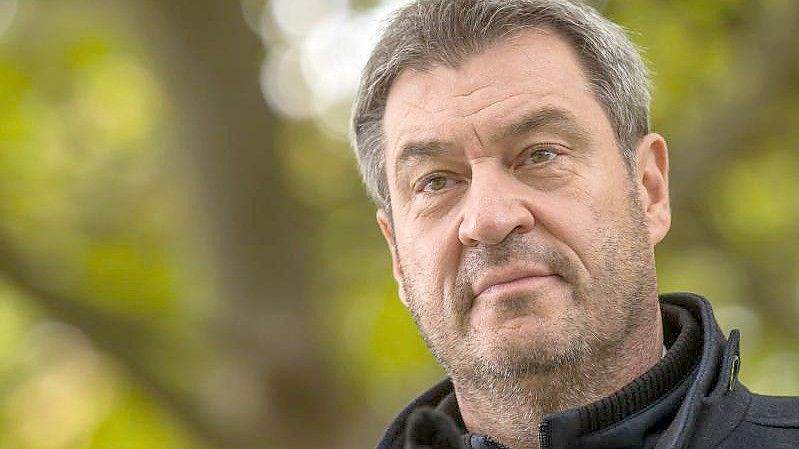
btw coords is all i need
(435, 183)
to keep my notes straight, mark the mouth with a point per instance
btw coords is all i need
(512, 280)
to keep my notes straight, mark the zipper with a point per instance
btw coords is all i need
(544, 435)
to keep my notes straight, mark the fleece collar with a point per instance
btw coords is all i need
(657, 410)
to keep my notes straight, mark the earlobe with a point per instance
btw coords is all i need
(653, 176)
(387, 229)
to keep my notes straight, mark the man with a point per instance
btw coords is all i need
(521, 193)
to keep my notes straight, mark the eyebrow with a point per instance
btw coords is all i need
(561, 120)
(554, 118)
(415, 150)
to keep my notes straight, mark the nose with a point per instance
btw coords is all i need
(494, 208)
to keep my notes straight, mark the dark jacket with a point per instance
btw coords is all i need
(690, 399)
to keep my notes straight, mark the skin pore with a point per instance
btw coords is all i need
(522, 244)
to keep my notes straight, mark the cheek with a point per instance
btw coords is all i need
(577, 220)
(431, 256)
(568, 215)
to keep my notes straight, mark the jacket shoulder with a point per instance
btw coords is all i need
(769, 419)
(774, 411)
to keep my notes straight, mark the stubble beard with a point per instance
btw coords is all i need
(521, 374)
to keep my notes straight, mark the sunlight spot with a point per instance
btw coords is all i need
(282, 84)
(8, 11)
(299, 17)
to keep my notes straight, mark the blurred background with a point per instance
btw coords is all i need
(188, 259)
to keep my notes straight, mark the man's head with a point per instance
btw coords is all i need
(505, 143)
(425, 34)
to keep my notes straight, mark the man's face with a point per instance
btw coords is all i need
(520, 241)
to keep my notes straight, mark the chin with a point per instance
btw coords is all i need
(525, 349)
(526, 321)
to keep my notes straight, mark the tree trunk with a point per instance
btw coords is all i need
(259, 234)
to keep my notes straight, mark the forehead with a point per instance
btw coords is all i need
(534, 69)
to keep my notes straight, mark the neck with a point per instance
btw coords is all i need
(511, 410)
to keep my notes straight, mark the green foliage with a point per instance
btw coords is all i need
(86, 202)
(135, 422)
(756, 204)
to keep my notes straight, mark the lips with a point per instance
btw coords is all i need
(509, 277)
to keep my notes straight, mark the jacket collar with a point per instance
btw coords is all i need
(659, 409)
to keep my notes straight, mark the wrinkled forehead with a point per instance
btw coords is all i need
(488, 88)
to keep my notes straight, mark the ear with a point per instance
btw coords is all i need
(384, 222)
(653, 178)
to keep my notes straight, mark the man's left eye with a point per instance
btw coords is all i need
(539, 156)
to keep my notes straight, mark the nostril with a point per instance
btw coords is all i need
(521, 229)
(467, 233)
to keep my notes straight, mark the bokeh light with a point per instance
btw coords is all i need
(319, 56)
(8, 11)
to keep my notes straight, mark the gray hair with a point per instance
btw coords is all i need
(446, 32)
